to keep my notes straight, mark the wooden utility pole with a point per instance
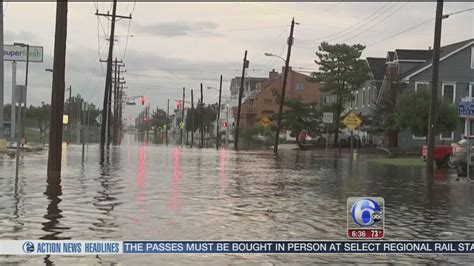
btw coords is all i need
(108, 78)
(434, 89)
(57, 95)
(201, 144)
(192, 118)
(237, 125)
(283, 87)
(114, 121)
(218, 139)
(182, 118)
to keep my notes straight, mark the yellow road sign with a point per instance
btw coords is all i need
(181, 125)
(265, 122)
(352, 121)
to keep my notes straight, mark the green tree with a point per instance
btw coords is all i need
(341, 72)
(412, 112)
(204, 116)
(301, 117)
(39, 117)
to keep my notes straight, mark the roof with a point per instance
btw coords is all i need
(409, 54)
(377, 67)
(445, 52)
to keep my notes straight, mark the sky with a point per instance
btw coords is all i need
(168, 46)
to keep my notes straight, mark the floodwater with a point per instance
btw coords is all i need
(157, 192)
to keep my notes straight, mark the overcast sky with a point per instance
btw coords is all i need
(183, 44)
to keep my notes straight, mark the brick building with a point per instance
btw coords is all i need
(263, 102)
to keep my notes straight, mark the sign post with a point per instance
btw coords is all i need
(327, 119)
(352, 121)
(466, 110)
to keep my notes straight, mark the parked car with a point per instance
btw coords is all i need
(442, 155)
(459, 157)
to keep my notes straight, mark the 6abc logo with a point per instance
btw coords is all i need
(28, 247)
(365, 217)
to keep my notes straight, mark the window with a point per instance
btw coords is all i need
(421, 85)
(356, 99)
(368, 96)
(267, 101)
(447, 136)
(472, 57)
(448, 91)
(418, 137)
(300, 86)
(363, 97)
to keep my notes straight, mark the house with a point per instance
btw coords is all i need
(264, 102)
(411, 70)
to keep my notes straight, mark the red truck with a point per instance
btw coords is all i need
(441, 155)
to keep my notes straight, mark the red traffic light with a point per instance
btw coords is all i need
(178, 104)
(142, 100)
(224, 124)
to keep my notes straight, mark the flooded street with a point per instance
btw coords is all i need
(157, 192)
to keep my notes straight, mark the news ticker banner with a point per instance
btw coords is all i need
(96, 247)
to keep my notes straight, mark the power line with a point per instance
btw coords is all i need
(378, 23)
(418, 25)
(339, 33)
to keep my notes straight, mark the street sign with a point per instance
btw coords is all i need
(466, 109)
(181, 125)
(98, 118)
(327, 118)
(20, 94)
(18, 53)
(65, 119)
(352, 121)
(265, 122)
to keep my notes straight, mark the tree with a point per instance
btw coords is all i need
(412, 112)
(203, 117)
(39, 117)
(341, 72)
(301, 117)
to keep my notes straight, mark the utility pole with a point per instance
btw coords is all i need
(68, 112)
(3, 142)
(182, 119)
(202, 119)
(218, 139)
(237, 126)
(434, 89)
(192, 118)
(167, 119)
(283, 87)
(57, 95)
(108, 78)
(114, 121)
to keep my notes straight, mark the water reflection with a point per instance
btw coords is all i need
(175, 201)
(140, 177)
(53, 214)
(173, 193)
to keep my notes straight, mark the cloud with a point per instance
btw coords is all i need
(20, 36)
(179, 28)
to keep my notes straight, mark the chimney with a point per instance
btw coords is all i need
(272, 74)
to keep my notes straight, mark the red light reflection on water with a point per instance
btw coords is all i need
(223, 155)
(140, 177)
(174, 201)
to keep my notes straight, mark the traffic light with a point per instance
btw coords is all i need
(224, 124)
(142, 100)
(178, 104)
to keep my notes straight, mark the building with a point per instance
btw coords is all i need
(411, 70)
(264, 102)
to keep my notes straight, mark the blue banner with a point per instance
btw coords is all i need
(298, 247)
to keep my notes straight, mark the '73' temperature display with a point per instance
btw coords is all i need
(365, 218)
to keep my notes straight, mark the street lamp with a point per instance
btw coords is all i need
(274, 55)
(19, 104)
